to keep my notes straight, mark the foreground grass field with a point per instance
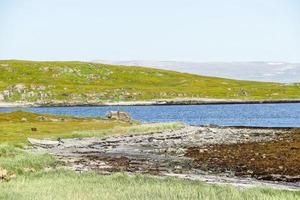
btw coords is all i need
(79, 81)
(28, 176)
(67, 185)
(15, 161)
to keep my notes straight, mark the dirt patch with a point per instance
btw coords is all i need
(277, 160)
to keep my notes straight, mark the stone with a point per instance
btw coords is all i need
(42, 118)
(202, 150)
(243, 93)
(6, 93)
(1, 97)
(20, 87)
(29, 169)
(23, 119)
(3, 174)
(41, 87)
(118, 115)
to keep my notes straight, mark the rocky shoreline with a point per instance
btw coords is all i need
(196, 101)
(241, 156)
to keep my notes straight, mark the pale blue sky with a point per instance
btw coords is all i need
(182, 30)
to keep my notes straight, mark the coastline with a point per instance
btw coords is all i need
(253, 148)
(159, 102)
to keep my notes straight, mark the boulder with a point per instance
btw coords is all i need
(19, 88)
(42, 118)
(118, 115)
(243, 93)
(23, 119)
(3, 174)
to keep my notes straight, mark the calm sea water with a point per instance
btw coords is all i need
(266, 115)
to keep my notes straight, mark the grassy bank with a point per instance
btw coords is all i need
(16, 127)
(79, 81)
(66, 185)
(135, 129)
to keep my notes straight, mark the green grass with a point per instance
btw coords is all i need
(66, 185)
(32, 181)
(135, 129)
(23, 116)
(39, 176)
(15, 130)
(17, 161)
(80, 81)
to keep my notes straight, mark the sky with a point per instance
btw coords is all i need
(178, 30)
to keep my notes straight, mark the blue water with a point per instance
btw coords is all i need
(265, 115)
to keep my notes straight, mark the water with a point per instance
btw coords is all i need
(265, 115)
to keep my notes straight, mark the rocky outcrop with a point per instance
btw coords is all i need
(3, 174)
(118, 115)
(6, 175)
(166, 153)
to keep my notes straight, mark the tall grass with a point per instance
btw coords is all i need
(66, 185)
(135, 129)
(17, 161)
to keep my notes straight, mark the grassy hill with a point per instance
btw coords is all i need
(81, 81)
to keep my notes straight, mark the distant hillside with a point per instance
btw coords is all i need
(256, 71)
(79, 81)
